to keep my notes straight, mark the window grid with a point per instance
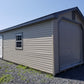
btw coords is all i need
(19, 42)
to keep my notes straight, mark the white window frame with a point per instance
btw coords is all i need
(19, 34)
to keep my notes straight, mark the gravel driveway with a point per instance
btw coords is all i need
(16, 74)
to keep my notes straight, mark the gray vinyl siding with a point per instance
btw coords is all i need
(37, 46)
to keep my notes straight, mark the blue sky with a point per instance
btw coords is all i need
(13, 12)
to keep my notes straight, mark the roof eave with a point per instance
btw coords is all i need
(48, 17)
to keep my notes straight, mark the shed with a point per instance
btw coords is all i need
(52, 43)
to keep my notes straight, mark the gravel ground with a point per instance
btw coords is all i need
(16, 74)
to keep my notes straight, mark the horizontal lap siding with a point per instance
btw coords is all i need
(37, 46)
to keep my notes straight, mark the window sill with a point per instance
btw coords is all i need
(19, 48)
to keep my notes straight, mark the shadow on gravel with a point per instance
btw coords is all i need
(76, 73)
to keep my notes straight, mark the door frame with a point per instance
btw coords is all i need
(72, 21)
(1, 47)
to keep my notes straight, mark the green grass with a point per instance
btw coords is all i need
(49, 76)
(21, 67)
(31, 70)
(6, 70)
(34, 71)
(25, 71)
(21, 76)
(0, 67)
(43, 81)
(9, 70)
(5, 78)
(5, 67)
(9, 63)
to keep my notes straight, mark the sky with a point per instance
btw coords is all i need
(14, 12)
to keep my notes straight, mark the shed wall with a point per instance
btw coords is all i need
(37, 46)
(68, 16)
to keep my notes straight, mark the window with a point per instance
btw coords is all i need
(19, 42)
(73, 15)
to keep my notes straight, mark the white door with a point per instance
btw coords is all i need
(70, 45)
(0, 46)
